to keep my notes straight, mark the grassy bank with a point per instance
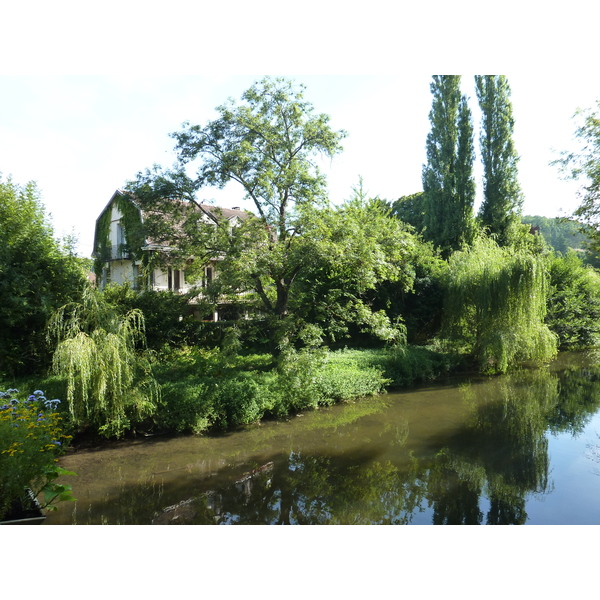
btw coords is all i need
(204, 390)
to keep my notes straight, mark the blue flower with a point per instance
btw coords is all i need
(38, 393)
(52, 403)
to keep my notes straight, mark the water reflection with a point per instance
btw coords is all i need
(472, 453)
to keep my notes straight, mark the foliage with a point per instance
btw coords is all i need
(298, 261)
(419, 307)
(37, 275)
(574, 302)
(167, 315)
(502, 194)
(31, 436)
(134, 230)
(401, 366)
(495, 306)
(561, 234)
(108, 379)
(448, 181)
(348, 253)
(267, 144)
(208, 389)
(584, 165)
(411, 210)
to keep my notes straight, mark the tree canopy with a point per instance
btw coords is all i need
(502, 194)
(495, 306)
(37, 275)
(448, 181)
(584, 165)
(268, 144)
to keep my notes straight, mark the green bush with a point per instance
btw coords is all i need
(574, 302)
(343, 383)
(37, 275)
(237, 401)
(204, 390)
(184, 407)
(399, 366)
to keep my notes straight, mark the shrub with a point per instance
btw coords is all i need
(495, 306)
(30, 439)
(109, 381)
(574, 302)
(37, 275)
(185, 406)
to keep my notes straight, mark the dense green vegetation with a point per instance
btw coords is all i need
(495, 306)
(561, 234)
(448, 183)
(37, 275)
(342, 300)
(502, 197)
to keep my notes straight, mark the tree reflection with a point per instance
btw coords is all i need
(484, 474)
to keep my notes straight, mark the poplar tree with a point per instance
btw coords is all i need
(502, 194)
(448, 181)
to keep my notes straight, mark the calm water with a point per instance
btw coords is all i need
(519, 449)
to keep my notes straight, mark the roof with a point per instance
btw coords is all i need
(210, 210)
(228, 213)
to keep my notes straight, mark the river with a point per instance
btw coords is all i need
(522, 448)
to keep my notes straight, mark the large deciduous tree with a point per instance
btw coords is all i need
(448, 181)
(495, 306)
(268, 143)
(37, 275)
(411, 210)
(584, 164)
(502, 194)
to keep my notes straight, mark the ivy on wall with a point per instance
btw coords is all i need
(135, 237)
(102, 241)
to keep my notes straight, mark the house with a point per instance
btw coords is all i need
(123, 253)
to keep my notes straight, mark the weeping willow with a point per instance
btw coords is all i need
(495, 306)
(108, 380)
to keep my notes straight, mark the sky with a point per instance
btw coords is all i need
(80, 137)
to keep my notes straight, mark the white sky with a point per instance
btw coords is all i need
(80, 136)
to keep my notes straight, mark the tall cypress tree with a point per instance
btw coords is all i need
(448, 181)
(465, 182)
(502, 194)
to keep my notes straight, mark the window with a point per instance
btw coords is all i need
(174, 279)
(120, 241)
(136, 277)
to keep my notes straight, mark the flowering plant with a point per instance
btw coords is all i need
(30, 440)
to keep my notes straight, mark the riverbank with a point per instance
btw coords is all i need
(205, 390)
(517, 448)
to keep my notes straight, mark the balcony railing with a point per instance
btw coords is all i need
(117, 252)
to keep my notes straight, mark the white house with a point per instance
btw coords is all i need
(121, 248)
